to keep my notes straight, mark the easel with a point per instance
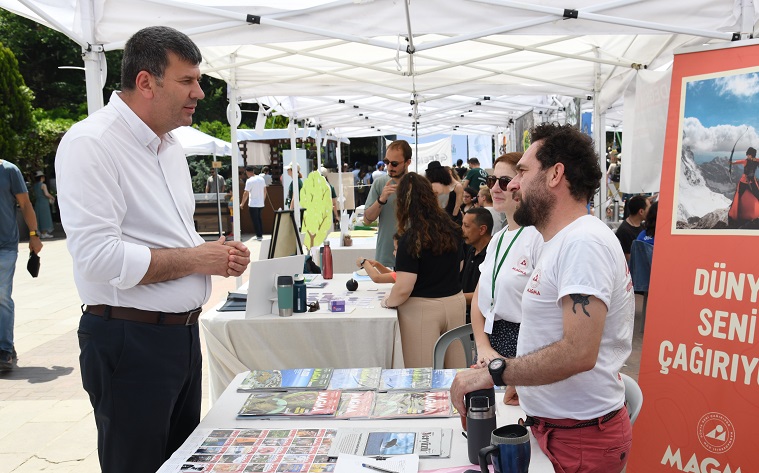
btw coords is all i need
(285, 239)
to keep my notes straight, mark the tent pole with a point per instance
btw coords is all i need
(234, 117)
(599, 136)
(94, 60)
(292, 128)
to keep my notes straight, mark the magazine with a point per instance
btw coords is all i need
(291, 403)
(355, 405)
(355, 379)
(425, 442)
(442, 379)
(253, 449)
(409, 379)
(407, 404)
(286, 380)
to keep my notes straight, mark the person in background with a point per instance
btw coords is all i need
(460, 169)
(427, 291)
(289, 201)
(468, 199)
(215, 183)
(140, 267)
(458, 188)
(476, 176)
(649, 233)
(362, 183)
(381, 200)
(266, 173)
(379, 171)
(378, 272)
(635, 210)
(42, 202)
(442, 185)
(577, 312)
(477, 226)
(485, 200)
(255, 197)
(12, 191)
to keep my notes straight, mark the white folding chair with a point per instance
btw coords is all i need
(633, 396)
(463, 333)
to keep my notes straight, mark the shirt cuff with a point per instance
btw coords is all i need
(134, 268)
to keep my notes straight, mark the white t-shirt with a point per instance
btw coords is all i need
(583, 258)
(256, 187)
(511, 279)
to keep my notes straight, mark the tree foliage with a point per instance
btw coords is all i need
(15, 105)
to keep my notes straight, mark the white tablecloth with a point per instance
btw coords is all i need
(367, 336)
(224, 412)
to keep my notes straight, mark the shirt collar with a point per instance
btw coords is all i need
(139, 128)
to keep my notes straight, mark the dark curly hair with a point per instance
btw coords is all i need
(432, 229)
(651, 219)
(569, 146)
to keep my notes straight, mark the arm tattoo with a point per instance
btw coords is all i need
(580, 299)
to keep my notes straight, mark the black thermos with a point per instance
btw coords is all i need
(480, 421)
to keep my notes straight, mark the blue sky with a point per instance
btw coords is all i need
(729, 100)
(718, 112)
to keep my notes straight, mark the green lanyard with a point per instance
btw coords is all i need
(497, 269)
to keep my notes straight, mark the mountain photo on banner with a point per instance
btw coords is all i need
(716, 189)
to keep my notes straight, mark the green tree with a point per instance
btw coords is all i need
(15, 105)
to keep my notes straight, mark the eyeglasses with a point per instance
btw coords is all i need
(502, 181)
(313, 307)
(393, 163)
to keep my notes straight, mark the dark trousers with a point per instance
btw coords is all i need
(144, 383)
(255, 216)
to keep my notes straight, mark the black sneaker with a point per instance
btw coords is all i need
(6, 361)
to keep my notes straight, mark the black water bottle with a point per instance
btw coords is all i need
(480, 421)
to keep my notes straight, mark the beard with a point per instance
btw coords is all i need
(535, 207)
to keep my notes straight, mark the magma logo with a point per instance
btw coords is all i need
(717, 435)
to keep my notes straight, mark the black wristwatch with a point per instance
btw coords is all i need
(496, 368)
(380, 202)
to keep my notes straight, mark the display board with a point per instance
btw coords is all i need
(700, 362)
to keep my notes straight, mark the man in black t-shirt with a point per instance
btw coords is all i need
(632, 225)
(477, 225)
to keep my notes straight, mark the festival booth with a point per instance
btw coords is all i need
(422, 67)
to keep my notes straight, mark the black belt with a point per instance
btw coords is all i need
(145, 316)
(529, 420)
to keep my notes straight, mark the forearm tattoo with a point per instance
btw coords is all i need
(582, 300)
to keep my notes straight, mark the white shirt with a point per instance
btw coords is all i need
(512, 277)
(256, 187)
(123, 190)
(583, 258)
(377, 174)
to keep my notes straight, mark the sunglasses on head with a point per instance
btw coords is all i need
(393, 163)
(502, 181)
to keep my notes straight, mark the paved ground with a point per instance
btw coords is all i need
(46, 421)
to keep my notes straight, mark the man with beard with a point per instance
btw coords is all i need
(381, 200)
(578, 308)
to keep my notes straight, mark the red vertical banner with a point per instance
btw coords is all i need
(700, 364)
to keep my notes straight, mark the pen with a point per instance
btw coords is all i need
(376, 468)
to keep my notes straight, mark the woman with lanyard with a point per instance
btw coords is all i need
(509, 261)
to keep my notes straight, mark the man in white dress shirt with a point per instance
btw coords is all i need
(139, 265)
(578, 310)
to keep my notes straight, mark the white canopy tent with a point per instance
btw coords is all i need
(195, 142)
(416, 67)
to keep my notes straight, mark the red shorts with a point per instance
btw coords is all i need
(600, 448)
